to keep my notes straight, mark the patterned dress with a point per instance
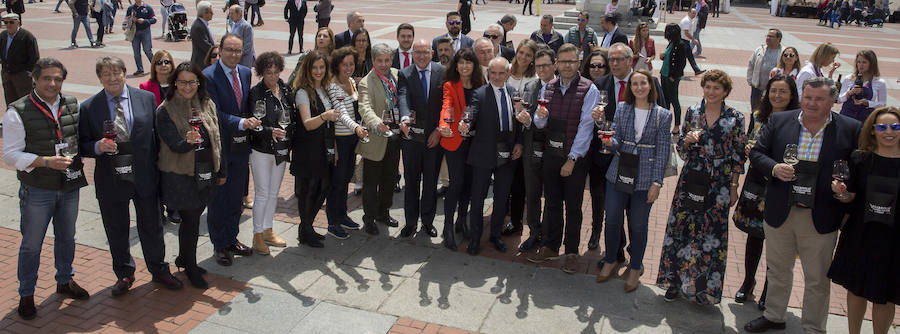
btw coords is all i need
(696, 242)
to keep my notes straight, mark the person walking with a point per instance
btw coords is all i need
(142, 15)
(79, 16)
(18, 53)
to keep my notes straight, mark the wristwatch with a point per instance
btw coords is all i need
(573, 159)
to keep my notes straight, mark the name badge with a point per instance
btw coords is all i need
(205, 176)
(123, 170)
(556, 144)
(239, 140)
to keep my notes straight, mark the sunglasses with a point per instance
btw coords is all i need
(213, 55)
(582, 20)
(884, 127)
(597, 66)
(789, 55)
(163, 62)
(453, 23)
(491, 36)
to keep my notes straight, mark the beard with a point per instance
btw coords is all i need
(445, 59)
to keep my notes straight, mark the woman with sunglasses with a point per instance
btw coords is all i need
(212, 56)
(522, 68)
(161, 69)
(644, 48)
(788, 64)
(596, 66)
(672, 71)
(867, 258)
(863, 91)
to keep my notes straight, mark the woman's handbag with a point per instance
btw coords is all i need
(129, 29)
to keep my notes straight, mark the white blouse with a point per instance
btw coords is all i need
(879, 90)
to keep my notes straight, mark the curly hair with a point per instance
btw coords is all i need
(717, 76)
(337, 57)
(266, 60)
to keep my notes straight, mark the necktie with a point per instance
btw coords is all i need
(621, 91)
(424, 82)
(236, 87)
(121, 124)
(455, 43)
(504, 111)
(405, 59)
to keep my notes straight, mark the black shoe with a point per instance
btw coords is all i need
(179, 263)
(744, 292)
(511, 229)
(430, 230)
(240, 249)
(407, 231)
(762, 324)
(761, 304)
(449, 243)
(370, 228)
(138, 73)
(312, 241)
(72, 290)
(594, 241)
(174, 216)
(389, 221)
(529, 244)
(169, 281)
(671, 294)
(196, 279)
(26, 307)
(122, 286)
(397, 187)
(223, 257)
(473, 249)
(441, 191)
(498, 244)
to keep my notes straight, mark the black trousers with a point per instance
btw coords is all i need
(117, 224)
(528, 4)
(188, 231)
(481, 181)
(597, 177)
(517, 194)
(534, 190)
(295, 27)
(459, 192)
(311, 193)
(101, 28)
(466, 22)
(421, 166)
(379, 178)
(336, 204)
(563, 192)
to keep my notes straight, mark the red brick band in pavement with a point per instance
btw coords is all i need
(410, 326)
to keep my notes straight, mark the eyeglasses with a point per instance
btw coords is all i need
(543, 65)
(213, 55)
(9, 22)
(491, 36)
(582, 20)
(163, 62)
(884, 127)
(568, 62)
(232, 50)
(597, 66)
(453, 23)
(789, 55)
(187, 82)
(617, 59)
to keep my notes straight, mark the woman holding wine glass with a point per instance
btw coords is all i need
(863, 91)
(635, 176)
(696, 240)
(313, 145)
(190, 160)
(269, 146)
(461, 78)
(867, 258)
(780, 95)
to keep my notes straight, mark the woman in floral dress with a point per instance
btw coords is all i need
(712, 144)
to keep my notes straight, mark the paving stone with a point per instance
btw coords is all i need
(262, 310)
(390, 256)
(439, 303)
(207, 327)
(329, 318)
(355, 287)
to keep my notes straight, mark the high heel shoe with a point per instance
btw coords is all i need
(179, 263)
(761, 304)
(744, 292)
(196, 278)
(601, 277)
(633, 280)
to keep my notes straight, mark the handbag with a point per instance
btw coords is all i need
(672, 164)
(129, 29)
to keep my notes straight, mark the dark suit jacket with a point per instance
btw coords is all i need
(144, 144)
(412, 97)
(617, 37)
(23, 52)
(507, 53)
(464, 42)
(395, 58)
(293, 14)
(486, 123)
(530, 94)
(839, 140)
(342, 39)
(227, 109)
(555, 42)
(607, 83)
(201, 42)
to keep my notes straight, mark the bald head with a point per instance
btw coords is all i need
(422, 53)
(235, 12)
(498, 71)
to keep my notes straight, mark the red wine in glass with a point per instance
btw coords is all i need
(109, 132)
(196, 122)
(543, 102)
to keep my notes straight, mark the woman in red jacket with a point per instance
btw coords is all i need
(161, 68)
(461, 78)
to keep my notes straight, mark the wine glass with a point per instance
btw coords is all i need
(468, 115)
(196, 122)
(696, 129)
(284, 120)
(366, 138)
(386, 117)
(602, 101)
(109, 132)
(754, 135)
(412, 121)
(259, 111)
(605, 133)
(791, 157)
(841, 172)
(70, 150)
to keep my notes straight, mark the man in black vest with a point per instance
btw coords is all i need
(497, 141)
(40, 139)
(421, 98)
(17, 58)
(569, 128)
(125, 172)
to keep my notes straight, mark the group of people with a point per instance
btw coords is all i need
(863, 12)
(537, 122)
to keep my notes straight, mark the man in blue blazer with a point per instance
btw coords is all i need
(125, 171)
(355, 21)
(457, 39)
(802, 216)
(228, 84)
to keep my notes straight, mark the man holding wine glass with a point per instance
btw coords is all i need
(802, 216)
(125, 171)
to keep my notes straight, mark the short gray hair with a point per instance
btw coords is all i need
(628, 50)
(508, 18)
(351, 16)
(203, 7)
(497, 26)
(109, 61)
(819, 82)
(380, 49)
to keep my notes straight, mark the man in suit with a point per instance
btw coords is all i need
(799, 220)
(243, 29)
(201, 37)
(620, 56)
(379, 99)
(355, 21)
(533, 154)
(125, 172)
(402, 56)
(421, 100)
(294, 14)
(457, 40)
(17, 58)
(494, 33)
(609, 23)
(228, 84)
(496, 142)
(569, 130)
(546, 35)
(484, 50)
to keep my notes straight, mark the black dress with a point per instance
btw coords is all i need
(867, 259)
(309, 151)
(180, 191)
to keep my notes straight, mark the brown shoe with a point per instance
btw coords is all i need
(570, 264)
(604, 275)
(122, 286)
(633, 280)
(543, 254)
(259, 244)
(72, 290)
(272, 239)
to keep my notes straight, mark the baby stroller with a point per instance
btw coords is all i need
(177, 25)
(875, 18)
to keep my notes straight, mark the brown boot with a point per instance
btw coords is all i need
(259, 244)
(272, 239)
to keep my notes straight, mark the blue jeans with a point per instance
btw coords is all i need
(84, 20)
(690, 55)
(637, 223)
(37, 207)
(698, 44)
(254, 12)
(59, 3)
(336, 204)
(141, 37)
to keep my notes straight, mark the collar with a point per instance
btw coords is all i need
(828, 121)
(496, 88)
(451, 35)
(402, 51)
(426, 69)
(622, 79)
(566, 86)
(614, 30)
(544, 83)
(226, 68)
(123, 94)
(546, 33)
(45, 101)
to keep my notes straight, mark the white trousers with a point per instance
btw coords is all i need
(266, 183)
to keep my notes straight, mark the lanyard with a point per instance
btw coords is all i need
(818, 73)
(581, 43)
(389, 83)
(48, 114)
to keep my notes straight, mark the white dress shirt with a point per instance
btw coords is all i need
(500, 108)
(237, 74)
(607, 39)
(14, 137)
(617, 86)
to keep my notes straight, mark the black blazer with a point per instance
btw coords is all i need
(293, 14)
(607, 83)
(839, 140)
(144, 143)
(412, 97)
(341, 40)
(507, 53)
(677, 60)
(395, 58)
(617, 37)
(486, 123)
(201, 42)
(23, 52)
